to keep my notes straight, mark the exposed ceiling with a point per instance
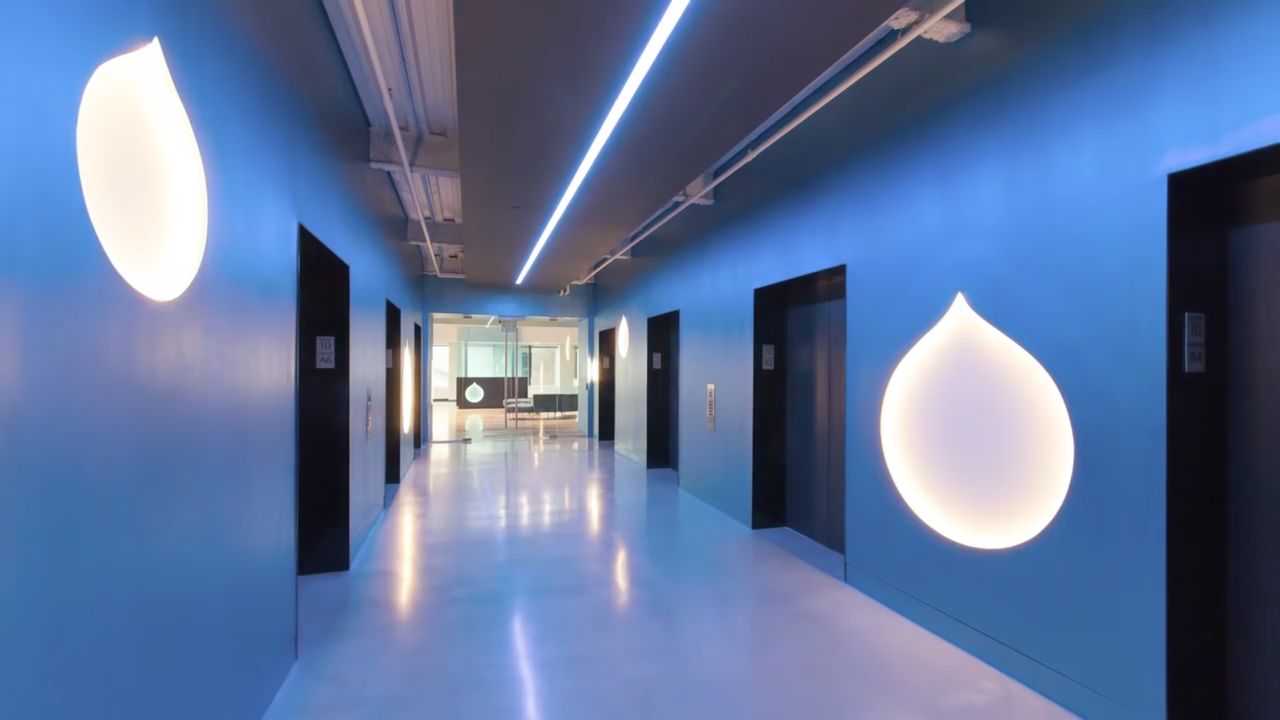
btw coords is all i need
(919, 81)
(492, 150)
(536, 78)
(414, 42)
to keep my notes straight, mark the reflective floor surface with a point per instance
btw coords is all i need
(549, 580)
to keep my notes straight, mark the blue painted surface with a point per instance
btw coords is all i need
(147, 492)
(1042, 196)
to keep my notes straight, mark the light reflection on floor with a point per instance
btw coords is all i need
(582, 586)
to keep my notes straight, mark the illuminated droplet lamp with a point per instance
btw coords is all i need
(976, 434)
(141, 173)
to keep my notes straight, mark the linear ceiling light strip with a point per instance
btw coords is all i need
(903, 40)
(395, 125)
(659, 38)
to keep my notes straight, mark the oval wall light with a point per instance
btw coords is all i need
(624, 337)
(406, 391)
(141, 173)
(976, 434)
(474, 393)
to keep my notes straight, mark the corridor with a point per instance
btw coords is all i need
(550, 580)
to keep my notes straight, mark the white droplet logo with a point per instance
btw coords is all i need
(976, 434)
(474, 393)
(141, 173)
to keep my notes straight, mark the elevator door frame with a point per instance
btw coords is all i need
(1205, 205)
(662, 389)
(323, 406)
(606, 385)
(419, 384)
(391, 441)
(770, 401)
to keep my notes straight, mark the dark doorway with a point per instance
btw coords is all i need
(1223, 462)
(393, 395)
(324, 402)
(606, 369)
(798, 412)
(664, 391)
(418, 385)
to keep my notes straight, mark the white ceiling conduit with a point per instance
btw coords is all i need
(934, 22)
(401, 56)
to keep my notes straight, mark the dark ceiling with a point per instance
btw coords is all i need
(536, 78)
(916, 84)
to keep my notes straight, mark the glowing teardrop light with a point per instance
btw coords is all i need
(624, 337)
(474, 393)
(141, 173)
(976, 434)
(406, 392)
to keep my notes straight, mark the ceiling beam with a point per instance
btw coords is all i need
(428, 154)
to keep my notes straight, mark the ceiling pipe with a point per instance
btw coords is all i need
(754, 150)
(395, 125)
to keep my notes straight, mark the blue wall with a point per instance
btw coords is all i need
(1042, 196)
(147, 451)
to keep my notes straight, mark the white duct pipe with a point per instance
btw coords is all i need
(395, 125)
(752, 152)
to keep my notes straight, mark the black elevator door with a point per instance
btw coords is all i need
(814, 378)
(394, 421)
(798, 412)
(324, 351)
(663, 385)
(605, 367)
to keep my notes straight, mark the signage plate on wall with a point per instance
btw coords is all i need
(711, 407)
(766, 357)
(657, 361)
(326, 352)
(1193, 342)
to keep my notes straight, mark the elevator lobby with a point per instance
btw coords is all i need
(569, 359)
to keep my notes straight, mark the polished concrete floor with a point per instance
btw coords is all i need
(549, 580)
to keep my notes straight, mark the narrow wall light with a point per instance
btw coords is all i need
(406, 391)
(659, 38)
(141, 173)
(624, 337)
(976, 434)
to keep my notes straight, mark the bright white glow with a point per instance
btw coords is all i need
(528, 680)
(594, 509)
(976, 434)
(406, 391)
(568, 353)
(141, 173)
(659, 38)
(624, 337)
(474, 393)
(408, 565)
(621, 577)
(491, 319)
(591, 370)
